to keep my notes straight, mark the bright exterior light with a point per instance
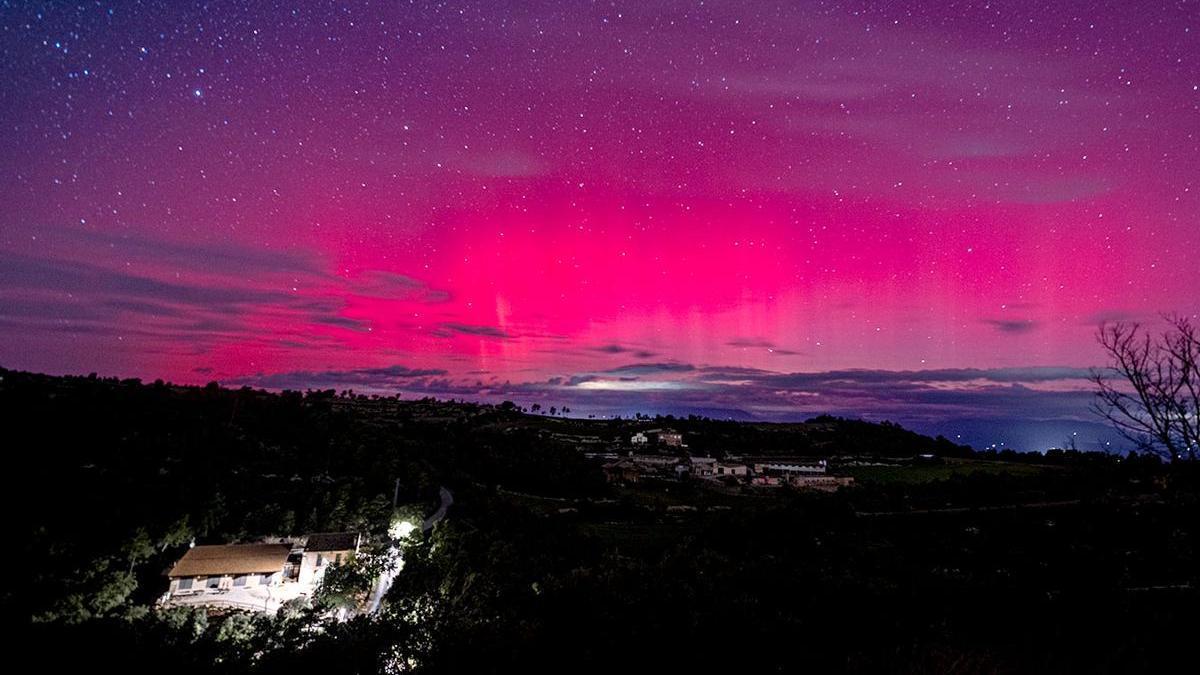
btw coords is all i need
(401, 529)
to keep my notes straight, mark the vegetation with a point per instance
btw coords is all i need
(968, 563)
(1151, 390)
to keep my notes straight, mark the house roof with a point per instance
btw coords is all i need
(231, 559)
(331, 541)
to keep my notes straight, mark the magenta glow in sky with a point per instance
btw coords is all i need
(918, 211)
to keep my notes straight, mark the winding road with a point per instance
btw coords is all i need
(396, 554)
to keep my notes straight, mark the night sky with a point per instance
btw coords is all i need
(911, 211)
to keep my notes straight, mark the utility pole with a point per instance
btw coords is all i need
(396, 495)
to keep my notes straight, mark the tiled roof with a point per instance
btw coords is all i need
(331, 541)
(203, 561)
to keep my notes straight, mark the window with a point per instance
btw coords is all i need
(320, 560)
(184, 584)
(266, 579)
(239, 580)
(337, 559)
(213, 582)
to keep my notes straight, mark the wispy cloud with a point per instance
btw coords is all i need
(651, 368)
(1013, 326)
(449, 329)
(763, 344)
(194, 295)
(613, 348)
(396, 376)
(392, 286)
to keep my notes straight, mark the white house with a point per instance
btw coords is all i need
(323, 549)
(257, 577)
(703, 466)
(244, 576)
(732, 469)
(791, 468)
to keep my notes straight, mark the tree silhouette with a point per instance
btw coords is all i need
(1151, 389)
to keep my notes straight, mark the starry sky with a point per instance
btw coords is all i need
(765, 210)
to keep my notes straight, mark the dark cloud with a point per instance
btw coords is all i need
(385, 378)
(1014, 326)
(731, 372)
(610, 349)
(619, 349)
(391, 286)
(751, 342)
(139, 307)
(220, 257)
(897, 377)
(208, 299)
(761, 343)
(450, 328)
(651, 368)
(1112, 316)
(356, 325)
(19, 271)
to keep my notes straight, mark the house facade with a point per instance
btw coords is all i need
(622, 471)
(791, 468)
(243, 576)
(324, 549)
(703, 466)
(255, 577)
(732, 469)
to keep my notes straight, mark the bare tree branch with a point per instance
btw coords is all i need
(1150, 390)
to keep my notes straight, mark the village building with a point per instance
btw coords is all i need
(239, 576)
(655, 461)
(731, 469)
(622, 471)
(323, 549)
(255, 577)
(822, 483)
(667, 437)
(671, 438)
(703, 466)
(791, 468)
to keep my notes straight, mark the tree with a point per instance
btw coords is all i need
(1151, 389)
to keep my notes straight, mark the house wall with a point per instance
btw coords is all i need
(821, 482)
(314, 564)
(224, 581)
